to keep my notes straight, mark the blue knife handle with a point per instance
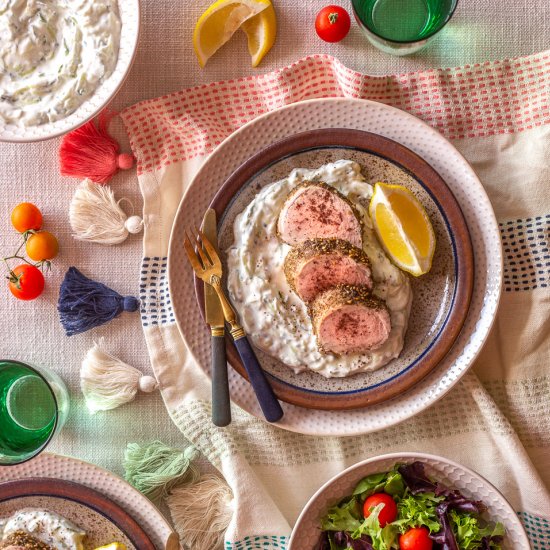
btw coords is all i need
(264, 392)
(221, 403)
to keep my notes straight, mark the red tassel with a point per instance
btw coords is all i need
(90, 152)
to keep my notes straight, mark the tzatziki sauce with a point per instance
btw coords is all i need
(45, 526)
(275, 319)
(53, 56)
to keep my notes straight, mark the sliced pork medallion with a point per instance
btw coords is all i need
(319, 264)
(315, 210)
(347, 320)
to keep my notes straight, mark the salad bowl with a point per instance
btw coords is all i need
(443, 472)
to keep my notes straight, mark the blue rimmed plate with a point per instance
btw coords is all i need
(440, 299)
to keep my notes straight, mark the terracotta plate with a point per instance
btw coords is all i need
(440, 298)
(102, 519)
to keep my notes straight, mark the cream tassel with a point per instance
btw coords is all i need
(107, 382)
(201, 512)
(96, 215)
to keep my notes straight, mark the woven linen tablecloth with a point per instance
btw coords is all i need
(165, 62)
(497, 420)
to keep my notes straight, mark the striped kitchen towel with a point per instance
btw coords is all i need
(497, 419)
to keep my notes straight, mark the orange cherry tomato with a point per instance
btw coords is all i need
(26, 216)
(26, 282)
(42, 246)
(387, 514)
(417, 538)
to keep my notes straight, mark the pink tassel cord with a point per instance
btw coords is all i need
(90, 152)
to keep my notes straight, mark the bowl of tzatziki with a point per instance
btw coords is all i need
(422, 316)
(61, 62)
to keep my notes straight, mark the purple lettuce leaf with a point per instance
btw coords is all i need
(324, 543)
(455, 500)
(341, 538)
(486, 542)
(416, 479)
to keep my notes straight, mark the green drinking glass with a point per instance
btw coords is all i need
(34, 404)
(402, 27)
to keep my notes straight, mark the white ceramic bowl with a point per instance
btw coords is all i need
(306, 532)
(129, 12)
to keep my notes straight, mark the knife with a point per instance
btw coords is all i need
(221, 404)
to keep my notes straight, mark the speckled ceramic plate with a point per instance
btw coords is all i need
(129, 11)
(62, 468)
(417, 136)
(440, 298)
(306, 531)
(103, 521)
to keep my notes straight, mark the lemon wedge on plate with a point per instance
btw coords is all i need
(224, 17)
(113, 546)
(403, 228)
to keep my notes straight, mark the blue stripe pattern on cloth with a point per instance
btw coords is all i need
(259, 543)
(538, 530)
(156, 307)
(526, 253)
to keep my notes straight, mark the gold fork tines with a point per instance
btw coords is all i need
(207, 265)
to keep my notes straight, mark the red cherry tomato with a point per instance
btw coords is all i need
(387, 514)
(26, 282)
(332, 23)
(417, 538)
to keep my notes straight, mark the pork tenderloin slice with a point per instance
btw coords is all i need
(317, 210)
(347, 319)
(319, 264)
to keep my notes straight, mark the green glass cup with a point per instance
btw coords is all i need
(34, 404)
(402, 27)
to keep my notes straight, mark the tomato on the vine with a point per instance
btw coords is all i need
(332, 24)
(387, 514)
(26, 216)
(42, 246)
(26, 282)
(417, 538)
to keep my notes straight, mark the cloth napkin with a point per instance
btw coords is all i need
(497, 419)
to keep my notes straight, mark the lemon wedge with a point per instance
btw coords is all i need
(260, 31)
(223, 18)
(112, 546)
(403, 228)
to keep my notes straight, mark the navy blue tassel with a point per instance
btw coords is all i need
(84, 304)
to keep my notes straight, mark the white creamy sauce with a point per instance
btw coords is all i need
(275, 319)
(45, 526)
(53, 56)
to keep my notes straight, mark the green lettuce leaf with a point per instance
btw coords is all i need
(383, 538)
(470, 531)
(345, 516)
(388, 482)
(417, 511)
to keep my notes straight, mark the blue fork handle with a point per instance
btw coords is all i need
(264, 392)
(221, 403)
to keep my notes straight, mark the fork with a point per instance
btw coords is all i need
(208, 267)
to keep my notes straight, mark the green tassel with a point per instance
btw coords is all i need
(155, 469)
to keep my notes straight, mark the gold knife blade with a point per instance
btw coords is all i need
(212, 306)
